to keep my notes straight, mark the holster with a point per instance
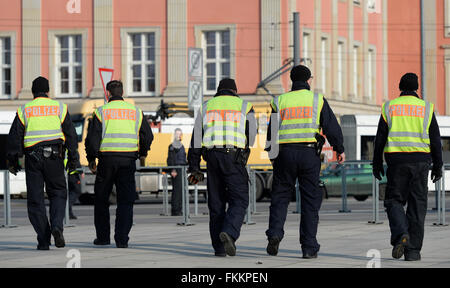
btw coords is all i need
(241, 156)
(319, 144)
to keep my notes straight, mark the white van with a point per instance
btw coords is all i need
(17, 183)
(359, 136)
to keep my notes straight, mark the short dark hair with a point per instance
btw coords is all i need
(115, 87)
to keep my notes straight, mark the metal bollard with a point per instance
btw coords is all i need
(248, 214)
(440, 190)
(67, 217)
(344, 191)
(165, 195)
(297, 199)
(253, 198)
(185, 199)
(196, 200)
(443, 197)
(7, 203)
(376, 202)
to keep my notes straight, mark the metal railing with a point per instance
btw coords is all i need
(440, 198)
(251, 210)
(7, 202)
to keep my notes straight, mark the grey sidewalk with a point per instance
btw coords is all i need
(158, 242)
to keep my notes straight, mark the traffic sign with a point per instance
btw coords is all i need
(195, 94)
(106, 75)
(195, 62)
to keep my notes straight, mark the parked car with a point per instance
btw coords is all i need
(359, 180)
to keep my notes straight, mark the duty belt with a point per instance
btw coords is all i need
(299, 145)
(225, 150)
(52, 151)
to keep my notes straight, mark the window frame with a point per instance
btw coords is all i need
(371, 72)
(200, 40)
(341, 78)
(53, 38)
(218, 61)
(70, 64)
(356, 69)
(11, 65)
(127, 56)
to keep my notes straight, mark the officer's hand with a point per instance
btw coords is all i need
(13, 168)
(341, 158)
(196, 177)
(436, 175)
(142, 160)
(378, 171)
(93, 167)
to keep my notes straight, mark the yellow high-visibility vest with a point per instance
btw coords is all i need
(409, 120)
(224, 120)
(42, 119)
(121, 122)
(298, 116)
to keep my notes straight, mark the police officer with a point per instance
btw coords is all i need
(224, 130)
(293, 136)
(409, 136)
(118, 134)
(40, 130)
(74, 186)
(177, 157)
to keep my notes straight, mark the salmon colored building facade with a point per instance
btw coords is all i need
(356, 49)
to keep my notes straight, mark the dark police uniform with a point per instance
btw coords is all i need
(300, 114)
(177, 157)
(42, 144)
(117, 154)
(408, 135)
(227, 178)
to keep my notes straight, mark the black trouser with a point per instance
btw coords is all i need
(48, 171)
(227, 183)
(300, 163)
(177, 190)
(74, 189)
(118, 171)
(407, 185)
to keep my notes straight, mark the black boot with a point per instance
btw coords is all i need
(272, 247)
(228, 243)
(59, 238)
(399, 248)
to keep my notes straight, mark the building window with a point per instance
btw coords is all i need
(340, 68)
(323, 64)
(69, 65)
(142, 68)
(356, 70)
(5, 65)
(447, 18)
(306, 48)
(217, 58)
(371, 72)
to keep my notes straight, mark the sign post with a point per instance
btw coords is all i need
(195, 67)
(106, 75)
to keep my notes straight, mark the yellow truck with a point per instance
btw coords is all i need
(171, 116)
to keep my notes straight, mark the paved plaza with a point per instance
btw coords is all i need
(157, 241)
